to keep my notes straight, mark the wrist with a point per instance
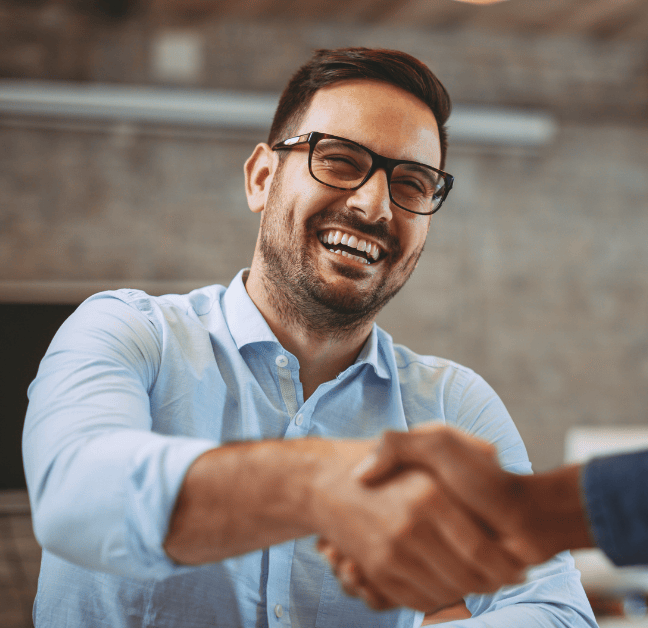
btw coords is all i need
(244, 496)
(555, 513)
(332, 480)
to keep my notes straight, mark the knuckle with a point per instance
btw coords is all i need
(392, 441)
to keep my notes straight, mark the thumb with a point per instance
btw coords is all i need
(383, 463)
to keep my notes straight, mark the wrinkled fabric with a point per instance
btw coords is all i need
(134, 388)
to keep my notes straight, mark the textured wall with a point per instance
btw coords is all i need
(535, 275)
(535, 272)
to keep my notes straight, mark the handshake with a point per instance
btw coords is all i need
(428, 516)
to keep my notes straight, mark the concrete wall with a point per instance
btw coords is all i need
(535, 271)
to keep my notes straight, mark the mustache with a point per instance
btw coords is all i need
(344, 218)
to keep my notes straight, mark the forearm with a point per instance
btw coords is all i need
(245, 496)
(555, 512)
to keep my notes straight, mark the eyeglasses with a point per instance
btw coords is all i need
(346, 165)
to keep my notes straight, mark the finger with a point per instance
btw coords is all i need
(349, 577)
(378, 466)
(399, 450)
(419, 593)
(354, 584)
(467, 552)
(330, 552)
(374, 600)
(394, 452)
(411, 581)
(427, 447)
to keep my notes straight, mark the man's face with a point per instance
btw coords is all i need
(329, 289)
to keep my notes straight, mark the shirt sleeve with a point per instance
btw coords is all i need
(552, 594)
(615, 493)
(102, 485)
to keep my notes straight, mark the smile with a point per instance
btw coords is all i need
(350, 246)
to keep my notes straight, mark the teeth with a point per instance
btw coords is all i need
(338, 237)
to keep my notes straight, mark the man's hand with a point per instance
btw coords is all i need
(407, 542)
(533, 516)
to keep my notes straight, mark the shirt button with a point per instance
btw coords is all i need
(279, 610)
(299, 419)
(281, 360)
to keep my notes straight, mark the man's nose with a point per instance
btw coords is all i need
(372, 199)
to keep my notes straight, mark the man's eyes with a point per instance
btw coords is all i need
(412, 185)
(341, 160)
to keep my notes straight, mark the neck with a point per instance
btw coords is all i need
(322, 353)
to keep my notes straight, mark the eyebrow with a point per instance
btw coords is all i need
(424, 169)
(347, 144)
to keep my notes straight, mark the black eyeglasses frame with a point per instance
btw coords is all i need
(377, 161)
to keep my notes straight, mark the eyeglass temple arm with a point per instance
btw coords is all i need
(293, 141)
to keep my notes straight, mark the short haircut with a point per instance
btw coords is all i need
(327, 67)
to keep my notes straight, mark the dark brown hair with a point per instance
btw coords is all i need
(327, 67)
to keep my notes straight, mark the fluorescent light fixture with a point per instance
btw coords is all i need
(235, 110)
(498, 126)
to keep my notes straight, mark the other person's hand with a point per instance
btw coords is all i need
(532, 516)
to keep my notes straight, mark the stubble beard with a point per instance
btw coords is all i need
(295, 288)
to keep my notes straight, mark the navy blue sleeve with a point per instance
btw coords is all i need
(615, 491)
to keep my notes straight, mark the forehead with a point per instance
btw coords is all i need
(383, 117)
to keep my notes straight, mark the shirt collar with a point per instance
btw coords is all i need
(371, 352)
(247, 325)
(245, 322)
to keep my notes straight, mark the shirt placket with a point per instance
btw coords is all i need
(299, 416)
(281, 556)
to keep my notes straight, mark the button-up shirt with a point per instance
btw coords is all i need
(134, 388)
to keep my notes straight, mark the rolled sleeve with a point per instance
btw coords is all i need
(103, 485)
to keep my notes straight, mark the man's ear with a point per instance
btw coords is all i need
(259, 171)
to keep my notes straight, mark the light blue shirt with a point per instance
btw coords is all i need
(134, 388)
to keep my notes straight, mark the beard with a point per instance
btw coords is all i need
(300, 294)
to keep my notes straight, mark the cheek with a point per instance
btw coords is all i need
(413, 234)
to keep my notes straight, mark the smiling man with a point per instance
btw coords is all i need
(184, 453)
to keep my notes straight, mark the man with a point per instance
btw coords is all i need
(152, 512)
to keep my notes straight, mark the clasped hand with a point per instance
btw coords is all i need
(427, 520)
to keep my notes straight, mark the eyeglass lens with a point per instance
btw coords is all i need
(344, 165)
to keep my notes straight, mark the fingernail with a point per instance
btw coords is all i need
(365, 464)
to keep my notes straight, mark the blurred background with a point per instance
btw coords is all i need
(124, 126)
